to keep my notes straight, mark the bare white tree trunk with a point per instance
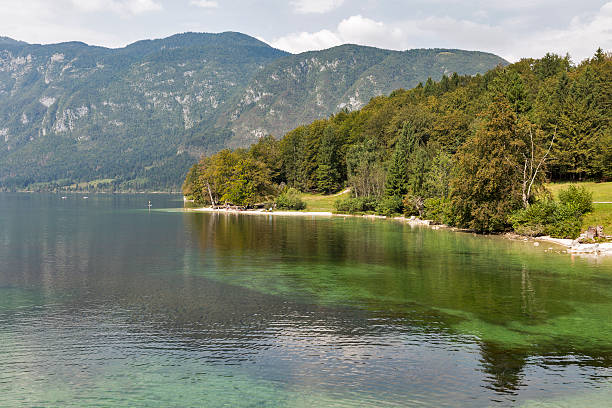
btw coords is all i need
(530, 170)
(212, 200)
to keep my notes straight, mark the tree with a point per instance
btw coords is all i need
(437, 180)
(217, 171)
(293, 158)
(534, 154)
(418, 166)
(192, 187)
(430, 87)
(579, 123)
(551, 65)
(397, 175)
(365, 171)
(328, 159)
(510, 84)
(267, 150)
(249, 182)
(484, 190)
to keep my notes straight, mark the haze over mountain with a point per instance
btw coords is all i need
(138, 117)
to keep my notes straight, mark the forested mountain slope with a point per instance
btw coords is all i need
(298, 89)
(135, 118)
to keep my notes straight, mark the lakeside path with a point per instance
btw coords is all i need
(571, 246)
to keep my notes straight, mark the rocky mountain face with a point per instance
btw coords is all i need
(299, 89)
(137, 117)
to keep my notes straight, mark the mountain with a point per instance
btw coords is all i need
(137, 117)
(10, 41)
(298, 89)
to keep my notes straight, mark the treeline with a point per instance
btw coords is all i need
(469, 151)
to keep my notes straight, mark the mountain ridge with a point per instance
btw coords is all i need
(141, 114)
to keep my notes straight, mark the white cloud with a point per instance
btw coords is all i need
(361, 30)
(122, 7)
(354, 30)
(581, 38)
(512, 38)
(300, 42)
(204, 3)
(315, 6)
(42, 21)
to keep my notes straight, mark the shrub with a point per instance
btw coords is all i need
(290, 200)
(561, 219)
(354, 205)
(438, 210)
(534, 220)
(578, 199)
(567, 223)
(389, 206)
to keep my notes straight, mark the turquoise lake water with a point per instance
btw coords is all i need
(105, 303)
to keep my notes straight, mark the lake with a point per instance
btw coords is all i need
(106, 303)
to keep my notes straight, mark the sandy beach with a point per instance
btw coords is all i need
(265, 212)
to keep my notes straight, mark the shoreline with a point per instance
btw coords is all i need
(90, 192)
(575, 247)
(571, 246)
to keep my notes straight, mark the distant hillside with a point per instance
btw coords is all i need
(297, 89)
(136, 118)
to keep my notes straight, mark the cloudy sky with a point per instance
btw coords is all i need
(509, 28)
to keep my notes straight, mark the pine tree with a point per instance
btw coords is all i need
(328, 170)
(430, 87)
(397, 175)
(444, 84)
(484, 188)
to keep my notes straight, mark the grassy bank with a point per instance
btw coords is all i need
(320, 202)
(601, 191)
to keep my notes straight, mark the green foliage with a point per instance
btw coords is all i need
(418, 170)
(577, 199)
(355, 205)
(267, 150)
(293, 158)
(329, 161)
(567, 223)
(233, 177)
(365, 171)
(562, 219)
(326, 178)
(290, 199)
(484, 190)
(390, 205)
(536, 219)
(249, 183)
(437, 180)
(397, 175)
(551, 65)
(439, 210)
(192, 188)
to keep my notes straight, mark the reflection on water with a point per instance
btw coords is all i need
(103, 302)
